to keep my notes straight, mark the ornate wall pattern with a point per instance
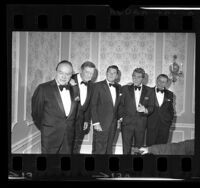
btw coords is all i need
(43, 55)
(175, 44)
(79, 49)
(128, 51)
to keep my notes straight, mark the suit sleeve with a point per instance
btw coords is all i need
(94, 104)
(37, 106)
(151, 102)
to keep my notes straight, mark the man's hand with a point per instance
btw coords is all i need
(119, 123)
(72, 82)
(141, 108)
(97, 127)
(144, 150)
(85, 125)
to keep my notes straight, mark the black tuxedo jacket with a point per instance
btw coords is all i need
(127, 108)
(84, 111)
(48, 111)
(103, 110)
(165, 112)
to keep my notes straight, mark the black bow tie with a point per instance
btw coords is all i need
(137, 87)
(86, 83)
(112, 85)
(160, 90)
(67, 87)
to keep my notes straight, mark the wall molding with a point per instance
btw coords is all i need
(27, 141)
(185, 75)
(194, 68)
(184, 125)
(177, 131)
(29, 148)
(25, 78)
(15, 106)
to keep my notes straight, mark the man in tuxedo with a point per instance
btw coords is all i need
(136, 104)
(160, 120)
(54, 106)
(105, 102)
(83, 117)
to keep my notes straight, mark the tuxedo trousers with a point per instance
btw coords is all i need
(103, 140)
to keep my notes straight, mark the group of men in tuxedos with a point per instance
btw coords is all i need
(66, 108)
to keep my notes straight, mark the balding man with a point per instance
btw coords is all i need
(54, 106)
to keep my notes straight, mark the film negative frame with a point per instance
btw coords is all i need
(92, 19)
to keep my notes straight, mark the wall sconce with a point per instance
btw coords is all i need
(175, 70)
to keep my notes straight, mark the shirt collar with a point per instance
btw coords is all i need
(108, 82)
(79, 78)
(139, 85)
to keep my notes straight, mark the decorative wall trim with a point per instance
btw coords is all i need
(178, 131)
(60, 44)
(15, 105)
(28, 123)
(70, 40)
(185, 75)
(22, 143)
(99, 47)
(25, 77)
(163, 51)
(194, 65)
(90, 56)
(28, 149)
(184, 125)
(155, 50)
(192, 134)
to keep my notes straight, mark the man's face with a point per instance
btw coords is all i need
(111, 75)
(161, 82)
(137, 78)
(63, 74)
(87, 73)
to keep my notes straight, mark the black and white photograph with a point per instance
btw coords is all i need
(119, 93)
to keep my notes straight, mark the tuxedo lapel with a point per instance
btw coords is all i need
(88, 93)
(106, 87)
(58, 97)
(144, 91)
(156, 100)
(165, 97)
(72, 101)
(75, 77)
(132, 93)
(117, 95)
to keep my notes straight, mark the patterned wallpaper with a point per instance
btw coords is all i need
(43, 55)
(79, 48)
(175, 44)
(128, 51)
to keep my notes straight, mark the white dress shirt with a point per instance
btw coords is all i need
(66, 100)
(113, 92)
(83, 89)
(160, 96)
(137, 95)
